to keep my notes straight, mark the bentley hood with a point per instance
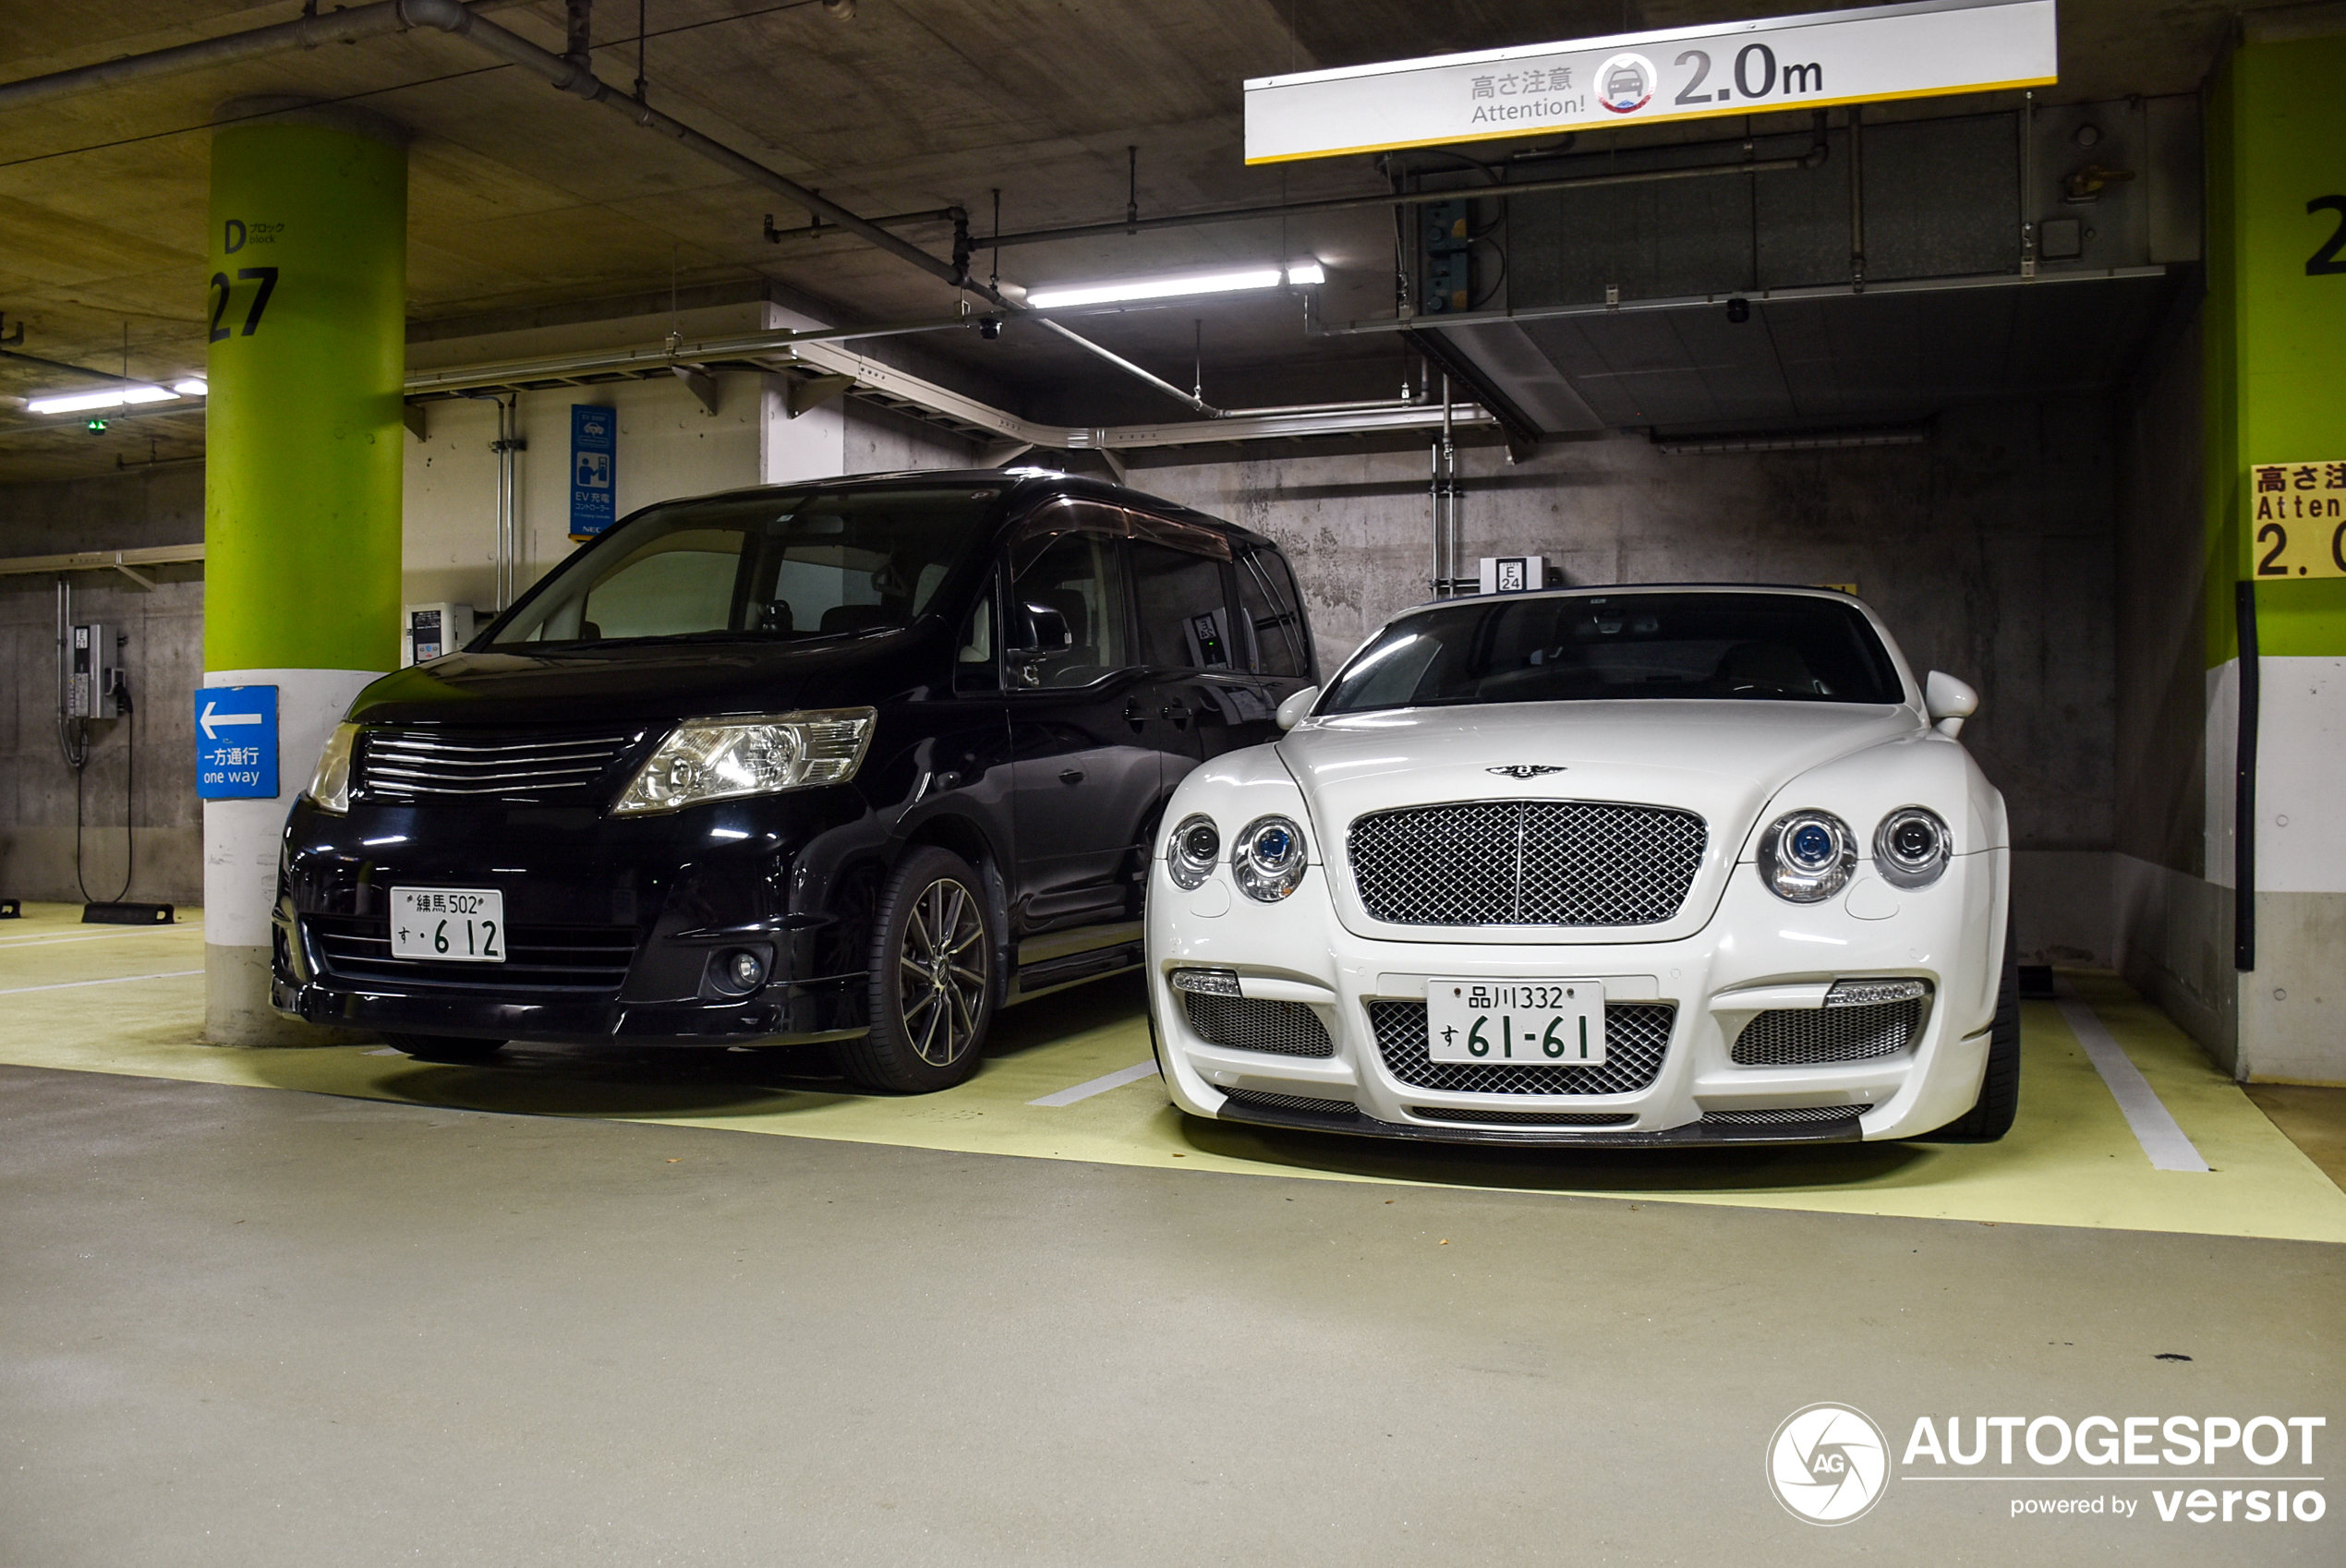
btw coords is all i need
(1724, 761)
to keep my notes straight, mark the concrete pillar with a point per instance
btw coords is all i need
(307, 311)
(2276, 338)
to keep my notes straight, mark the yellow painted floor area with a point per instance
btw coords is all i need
(130, 1001)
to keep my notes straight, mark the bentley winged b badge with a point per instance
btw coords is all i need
(1525, 769)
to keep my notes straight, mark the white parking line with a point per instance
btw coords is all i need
(2155, 1128)
(44, 941)
(111, 979)
(1116, 1079)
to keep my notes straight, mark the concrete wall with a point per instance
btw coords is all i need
(162, 658)
(1988, 550)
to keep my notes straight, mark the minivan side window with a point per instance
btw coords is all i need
(1184, 609)
(1274, 618)
(1078, 575)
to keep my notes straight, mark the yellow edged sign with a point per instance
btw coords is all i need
(2297, 520)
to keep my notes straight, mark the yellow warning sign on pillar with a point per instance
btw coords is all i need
(2296, 520)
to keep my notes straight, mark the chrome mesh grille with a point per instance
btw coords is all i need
(1249, 1023)
(1782, 1115)
(1525, 863)
(477, 767)
(1637, 1036)
(1526, 1119)
(1798, 1036)
(1245, 1097)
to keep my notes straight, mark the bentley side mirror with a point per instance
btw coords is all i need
(1948, 702)
(1042, 631)
(1298, 703)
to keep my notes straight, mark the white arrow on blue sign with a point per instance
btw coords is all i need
(236, 742)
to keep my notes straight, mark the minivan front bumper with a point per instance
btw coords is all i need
(616, 927)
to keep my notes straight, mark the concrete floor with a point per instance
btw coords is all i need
(264, 1325)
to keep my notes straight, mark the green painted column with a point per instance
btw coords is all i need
(307, 308)
(2275, 397)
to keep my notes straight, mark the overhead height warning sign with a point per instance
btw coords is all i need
(1913, 50)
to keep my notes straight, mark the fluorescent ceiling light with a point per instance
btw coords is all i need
(114, 397)
(1302, 272)
(194, 386)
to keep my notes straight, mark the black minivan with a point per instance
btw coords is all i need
(856, 761)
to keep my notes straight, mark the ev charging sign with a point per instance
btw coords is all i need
(594, 462)
(236, 742)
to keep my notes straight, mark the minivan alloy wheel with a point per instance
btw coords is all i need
(930, 979)
(941, 974)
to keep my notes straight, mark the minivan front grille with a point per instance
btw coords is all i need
(517, 767)
(1525, 863)
(575, 961)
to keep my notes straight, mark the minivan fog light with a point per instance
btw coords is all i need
(1911, 847)
(1191, 851)
(1268, 859)
(1806, 856)
(721, 759)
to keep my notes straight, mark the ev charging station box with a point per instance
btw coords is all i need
(1512, 574)
(90, 692)
(432, 630)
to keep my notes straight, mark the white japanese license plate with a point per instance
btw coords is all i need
(463, 925)
(1528, 1022)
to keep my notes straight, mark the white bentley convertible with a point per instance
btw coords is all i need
(1624, 866)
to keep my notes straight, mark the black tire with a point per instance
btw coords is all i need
(449, 1049)
(931, 987)
(1991, 1114)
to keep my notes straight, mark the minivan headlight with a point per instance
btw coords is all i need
(329, 788)
(1806, 856)
(1268, 859)
(721, 759)
(1911, 847)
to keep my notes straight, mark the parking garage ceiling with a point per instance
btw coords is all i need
(525, 201)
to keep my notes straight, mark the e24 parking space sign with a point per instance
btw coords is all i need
(236, 742)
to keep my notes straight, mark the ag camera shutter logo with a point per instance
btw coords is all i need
(1828, 1464)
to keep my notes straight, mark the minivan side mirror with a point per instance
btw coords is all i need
(1948, 702)
(1298, 703)
(1042, 630)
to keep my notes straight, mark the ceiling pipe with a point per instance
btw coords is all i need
(307, 31)
(1811, 159)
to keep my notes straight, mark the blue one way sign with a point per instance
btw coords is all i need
(236, 742)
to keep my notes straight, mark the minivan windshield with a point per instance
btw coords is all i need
(1777, 647)
(783, 564)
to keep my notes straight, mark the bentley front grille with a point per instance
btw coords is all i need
(485, 767)
(1805, 1036)
(1249, 1023)
(1525, 863)
(1637, 1036)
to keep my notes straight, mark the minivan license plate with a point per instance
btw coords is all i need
(1524, 1022)
(463, 925)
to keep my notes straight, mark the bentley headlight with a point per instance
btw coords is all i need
(1268, 859)
(1806, 856)
(1911, 847)
(331, 787)
(1191, 853)
(722, 759)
